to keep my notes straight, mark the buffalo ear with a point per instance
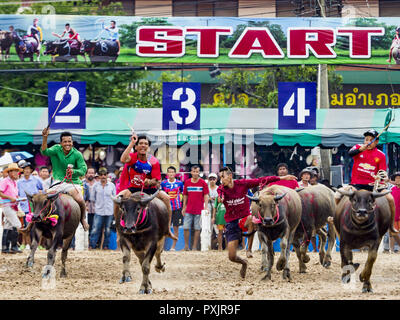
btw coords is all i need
(28, 196)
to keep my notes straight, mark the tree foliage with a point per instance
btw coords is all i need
(262, 87)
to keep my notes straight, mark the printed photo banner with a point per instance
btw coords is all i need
(222, 40)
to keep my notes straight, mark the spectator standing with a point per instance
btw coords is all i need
(305, 176)
(88, 185)
(104, 207)
(45, 178)
(219, 220)
(32, 185)
(9, 190)
(195, 199)
(396, 196)
(174, 189)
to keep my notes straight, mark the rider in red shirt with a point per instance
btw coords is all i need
(142, 172)
(72, 35)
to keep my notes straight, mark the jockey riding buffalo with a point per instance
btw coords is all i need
(101, 50)
(142, 223)
(64, 50)
(6, 40)
(55, 217)
(277, 211)
(361, 220)
(318, 204)
(26, 47)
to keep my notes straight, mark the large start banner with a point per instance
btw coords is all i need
(222, 40)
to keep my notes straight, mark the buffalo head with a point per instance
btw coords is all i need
(132, 210)
(42, 205)
(265, 207)
(362, 203)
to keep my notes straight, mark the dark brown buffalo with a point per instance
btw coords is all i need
(318, 205)
(361, 220)
(6, 41)
(278, 210)
(145, 225)
(69, 215)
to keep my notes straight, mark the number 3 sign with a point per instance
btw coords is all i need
(181, 105)
(71, 113)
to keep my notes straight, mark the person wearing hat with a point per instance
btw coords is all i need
(32, 185)
(9, 191)
(104, 210)
(305, 177)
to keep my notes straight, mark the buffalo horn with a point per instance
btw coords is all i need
(280, 196)
(149, 198)
(116, 199)
(348, 193)
(255, 198)
(380, 194)
(52, 195)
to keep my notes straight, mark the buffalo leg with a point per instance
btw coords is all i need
(269, 260)
(145, 287)
(366, 273)
(126, 259)
(64, 254)
(160, 267)
(302, 265)
(51, 253)
(322, 243)
(35, 241)
(347, 263)
(286, 270)
(331, 243)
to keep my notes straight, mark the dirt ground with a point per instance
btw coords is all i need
(94, 275)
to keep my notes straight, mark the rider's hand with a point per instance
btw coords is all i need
(147, 182)
(134, 137)
(363, 147)
(45, 132)
(288, 177)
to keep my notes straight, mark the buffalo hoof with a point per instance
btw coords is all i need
(125, 279)
(46, 275)
(160, 269)
(280, 264)
(321, 257)
(63, 274)
(29, 264)
(266, 277)
(249, 254)
(145, 291)
(303, 269)
(355, 266)
(346, 277)
(326, 264)
(286, 275)
(367, 289)
(306, 258)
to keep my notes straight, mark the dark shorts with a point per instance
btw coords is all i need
(177, 218)
(233, 231)
(363, 186)
(147, 191)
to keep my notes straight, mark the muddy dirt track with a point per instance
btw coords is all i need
(94, 275)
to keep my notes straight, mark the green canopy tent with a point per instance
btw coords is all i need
(108, 126)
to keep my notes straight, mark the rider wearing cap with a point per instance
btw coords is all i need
(395, 43)
(35, 32)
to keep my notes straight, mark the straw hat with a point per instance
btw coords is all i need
(12, 166)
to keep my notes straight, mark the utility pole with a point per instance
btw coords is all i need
(323, 102)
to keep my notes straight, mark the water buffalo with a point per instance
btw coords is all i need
(26, 47)
(64, 50)
(142, 224)
(278, 210)
(6, 40)
(55, 217)
(361, 220)
(318, 205)
(101, 50)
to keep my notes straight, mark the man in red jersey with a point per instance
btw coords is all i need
(233, 194)
(368, 160)
(142, 173)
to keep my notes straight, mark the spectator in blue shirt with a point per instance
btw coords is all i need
(104, 209)
(32, 185)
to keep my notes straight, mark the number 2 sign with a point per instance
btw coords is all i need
(297, 105)
(71, 113)
(181, 105)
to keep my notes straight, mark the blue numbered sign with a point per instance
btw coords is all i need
(71, 113)
(297, 103)
(181, 105)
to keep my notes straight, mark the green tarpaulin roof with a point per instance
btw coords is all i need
(108, 126)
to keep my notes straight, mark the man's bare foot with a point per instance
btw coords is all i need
(249, 254)
(243, 269)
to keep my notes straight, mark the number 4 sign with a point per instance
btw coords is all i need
(71, 113)
(297, 105)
